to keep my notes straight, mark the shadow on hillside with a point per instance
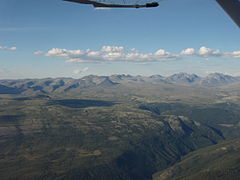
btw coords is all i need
(80, 103)
(10, 119)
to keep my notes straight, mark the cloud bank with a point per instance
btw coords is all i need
(8, 48)
(108, 54)
(208, 52)
(121, 54)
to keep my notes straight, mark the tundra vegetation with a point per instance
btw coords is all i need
(120, 127)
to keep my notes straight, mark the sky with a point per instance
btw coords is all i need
(55, 38)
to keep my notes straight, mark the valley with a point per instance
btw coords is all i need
(118, 127)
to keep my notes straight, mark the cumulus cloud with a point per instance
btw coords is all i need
(108, 54)
(205, 51)
(112, 48)
(234, 54)
(188, 51)
(8, 48)
(208, 52)
(79, 71)
(202, 52)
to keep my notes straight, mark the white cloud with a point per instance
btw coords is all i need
(79, 71)
(38, 53)
(77, 60)
(133, 49)
(55, 52)
(8, 48)
(112, 48)
(108, 54)
(202, 52)
(234, 54)
(188, 51)
(208, 52)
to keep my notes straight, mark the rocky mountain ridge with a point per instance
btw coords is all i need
(52, 85)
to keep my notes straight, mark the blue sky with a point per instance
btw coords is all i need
(68, 39)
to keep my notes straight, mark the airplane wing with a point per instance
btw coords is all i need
(80, 1)
(232, 7)
(99, 4)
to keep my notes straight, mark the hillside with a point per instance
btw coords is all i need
(69, 85)
(110, 127)
(218, 162)
(81, 138)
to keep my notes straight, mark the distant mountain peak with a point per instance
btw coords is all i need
(156, 76)
(183, 74)
(215, 79)
(183, 78)
(218, 75)
(121, 76)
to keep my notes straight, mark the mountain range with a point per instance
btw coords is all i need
(120, 127)
(63, 85)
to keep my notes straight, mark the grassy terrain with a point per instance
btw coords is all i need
(218, 162)
(119, 132)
